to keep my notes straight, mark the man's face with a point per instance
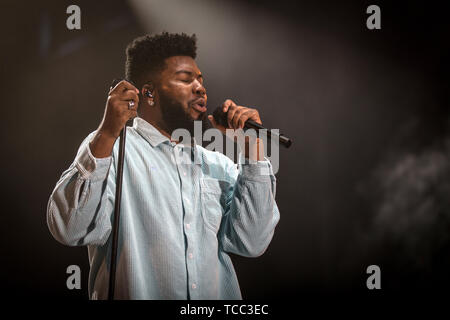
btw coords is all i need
(182, 96)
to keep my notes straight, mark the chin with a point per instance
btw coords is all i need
(197, 116)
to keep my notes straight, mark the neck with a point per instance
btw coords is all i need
(155, 120)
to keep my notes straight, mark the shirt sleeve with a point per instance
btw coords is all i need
(251, 213)
(80, 206)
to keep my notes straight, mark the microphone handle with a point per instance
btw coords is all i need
(285, 141)
(221, 118)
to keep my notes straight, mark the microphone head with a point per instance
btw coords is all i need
(220, 117)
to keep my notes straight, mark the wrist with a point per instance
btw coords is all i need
(102, 144)
(254, 149)
(107, 134)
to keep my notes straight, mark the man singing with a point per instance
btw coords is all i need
(178, 221)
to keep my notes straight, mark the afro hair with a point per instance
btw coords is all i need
(146, 54)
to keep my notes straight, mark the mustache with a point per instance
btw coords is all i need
(200, 101)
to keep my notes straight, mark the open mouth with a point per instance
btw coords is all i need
(199, 105)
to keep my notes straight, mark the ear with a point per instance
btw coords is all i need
(147, 88)
(147, 92)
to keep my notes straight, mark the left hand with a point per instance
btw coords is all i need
(237, 116)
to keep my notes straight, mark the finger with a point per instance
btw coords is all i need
(230, 114)
(237, 115)
(255, 117)
(120, 108)
(123, 86)
(211, 119)
(128, 95)
(132, 105)
(227, 104)
(124, 113)
(231, 111)
(123, 107)
(244, 117)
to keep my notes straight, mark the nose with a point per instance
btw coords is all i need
(199, 89)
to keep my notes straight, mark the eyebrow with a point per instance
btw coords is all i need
(189, 73)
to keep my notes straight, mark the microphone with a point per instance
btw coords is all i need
(221, 118)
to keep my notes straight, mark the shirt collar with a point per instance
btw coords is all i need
(152, 135)
(149, 132)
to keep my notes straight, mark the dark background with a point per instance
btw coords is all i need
(365, 182)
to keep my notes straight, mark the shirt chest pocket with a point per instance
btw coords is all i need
(213, 198)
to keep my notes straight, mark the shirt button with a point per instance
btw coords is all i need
(194, 286)
(191, 255)
(186, 200)
(188, 225)
(184, 174)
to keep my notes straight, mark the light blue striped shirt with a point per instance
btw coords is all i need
(178, 221)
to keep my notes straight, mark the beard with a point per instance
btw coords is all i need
(175, 116)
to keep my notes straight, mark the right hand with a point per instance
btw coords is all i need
(117, 112)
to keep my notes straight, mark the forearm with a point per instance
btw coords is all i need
(76, 208)
(102, 144)
(248, 226)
